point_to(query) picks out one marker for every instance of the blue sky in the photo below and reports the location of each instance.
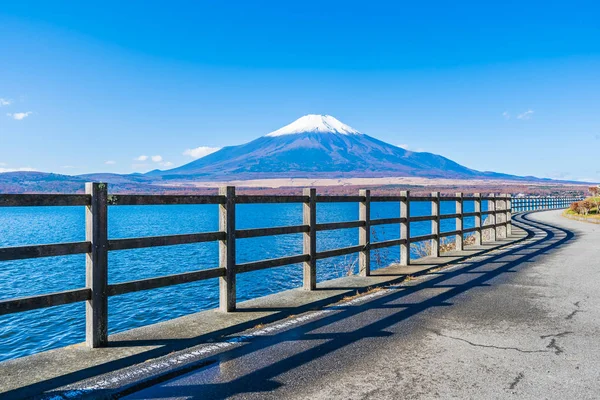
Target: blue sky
(509, 87)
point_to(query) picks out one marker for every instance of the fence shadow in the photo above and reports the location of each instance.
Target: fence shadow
(548, 239)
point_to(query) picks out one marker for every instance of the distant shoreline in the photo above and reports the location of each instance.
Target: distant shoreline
(277, 183)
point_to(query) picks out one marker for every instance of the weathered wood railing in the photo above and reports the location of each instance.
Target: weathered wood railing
(97, 244)
(542, 203)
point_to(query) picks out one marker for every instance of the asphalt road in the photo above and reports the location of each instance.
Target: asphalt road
(522, 322)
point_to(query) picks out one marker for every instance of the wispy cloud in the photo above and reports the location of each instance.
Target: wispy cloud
(110, 162)
(5, 102)
(2, 170)
(403, 146)
(201, 151)
(20, 115)
(158, 159)
(506, 115)
(526, 115)
(68, 166)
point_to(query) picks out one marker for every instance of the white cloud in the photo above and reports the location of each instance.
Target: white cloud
(110, 162)
(3, 164)
(403, 146)
(157, 159)
(20, 116)
(526, 115)
(506, 115)
(201, 151)
(5, 102)
(2, 170)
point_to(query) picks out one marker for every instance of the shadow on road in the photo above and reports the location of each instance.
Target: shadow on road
(397, 303)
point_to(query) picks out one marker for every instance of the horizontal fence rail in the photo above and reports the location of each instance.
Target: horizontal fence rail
(97, 244)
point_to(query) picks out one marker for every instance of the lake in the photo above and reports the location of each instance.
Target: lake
(34, 331)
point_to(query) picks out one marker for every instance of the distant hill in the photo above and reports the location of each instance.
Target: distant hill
(42, 182)
(31, 182)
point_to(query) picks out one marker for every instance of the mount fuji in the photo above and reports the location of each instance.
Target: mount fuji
(319, 146)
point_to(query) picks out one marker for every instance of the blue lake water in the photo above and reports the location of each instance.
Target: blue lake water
(34, 331)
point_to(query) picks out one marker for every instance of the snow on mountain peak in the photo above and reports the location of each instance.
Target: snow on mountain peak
(314, 123)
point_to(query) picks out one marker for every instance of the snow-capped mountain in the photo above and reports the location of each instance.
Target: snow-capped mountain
(315, 124)
(319, 146)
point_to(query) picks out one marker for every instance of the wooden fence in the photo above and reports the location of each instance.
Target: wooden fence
(520, 204)
(97, 245)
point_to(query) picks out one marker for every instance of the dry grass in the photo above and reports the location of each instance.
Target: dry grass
(373, 289)
(593, 214)
(352, 297)
(347, 266)
(358, 294)
(259, 326)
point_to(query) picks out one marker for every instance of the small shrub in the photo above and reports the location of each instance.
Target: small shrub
(574, 207)
(421, 249)
(584, 207)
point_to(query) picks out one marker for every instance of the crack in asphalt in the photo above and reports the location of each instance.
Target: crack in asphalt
(557, 349)
(555, 335)
(517, 380)
(570, 316)
(489, 345)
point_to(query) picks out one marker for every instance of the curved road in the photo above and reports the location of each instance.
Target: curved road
(520, 322)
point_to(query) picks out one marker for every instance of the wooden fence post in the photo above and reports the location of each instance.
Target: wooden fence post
(508, 215)
(227, 297)
(459, 222)
(492, 207)
(405, 228)
(364, 234)
(477, 210)
(309, 217)
(96, 276)
(435, 224)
